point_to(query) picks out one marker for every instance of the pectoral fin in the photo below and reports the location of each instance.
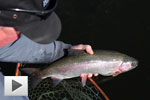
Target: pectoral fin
(34, 74)
(83, 79)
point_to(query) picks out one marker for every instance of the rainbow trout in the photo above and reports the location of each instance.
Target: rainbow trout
(106, 63)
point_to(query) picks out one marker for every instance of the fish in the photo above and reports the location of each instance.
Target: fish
(103, 62)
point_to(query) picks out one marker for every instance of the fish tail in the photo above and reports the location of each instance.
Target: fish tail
(35, 81)
(34, 74)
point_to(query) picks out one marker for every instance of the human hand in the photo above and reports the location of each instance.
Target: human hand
(88, 75)
(89, 50)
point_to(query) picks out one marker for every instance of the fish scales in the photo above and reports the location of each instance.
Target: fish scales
(106, 63)
(84, 63)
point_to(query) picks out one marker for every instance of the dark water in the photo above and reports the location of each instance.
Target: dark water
(121, 25)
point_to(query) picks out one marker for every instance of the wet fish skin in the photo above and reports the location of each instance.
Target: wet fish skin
(104, 62)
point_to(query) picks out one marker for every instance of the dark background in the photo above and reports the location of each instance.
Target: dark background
(120, 25)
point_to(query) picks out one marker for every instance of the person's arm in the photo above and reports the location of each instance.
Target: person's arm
(25, 50)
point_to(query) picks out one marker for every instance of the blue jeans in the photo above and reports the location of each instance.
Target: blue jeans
(2, 97)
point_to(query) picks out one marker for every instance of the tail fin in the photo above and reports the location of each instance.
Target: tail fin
(34, 73)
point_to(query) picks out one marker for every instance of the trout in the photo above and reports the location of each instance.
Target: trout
(103, 62)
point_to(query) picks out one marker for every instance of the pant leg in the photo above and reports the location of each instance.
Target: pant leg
(2, 97)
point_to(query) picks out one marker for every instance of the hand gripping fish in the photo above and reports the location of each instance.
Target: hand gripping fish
(103, 62)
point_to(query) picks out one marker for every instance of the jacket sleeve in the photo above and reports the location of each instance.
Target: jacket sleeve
(25, 50)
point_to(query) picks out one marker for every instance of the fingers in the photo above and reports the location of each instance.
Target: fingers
(96, 74)
(87, 48)
(88, 75)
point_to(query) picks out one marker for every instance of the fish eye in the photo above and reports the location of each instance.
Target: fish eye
(134, 64)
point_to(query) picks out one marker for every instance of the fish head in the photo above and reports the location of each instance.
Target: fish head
(128, 64)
